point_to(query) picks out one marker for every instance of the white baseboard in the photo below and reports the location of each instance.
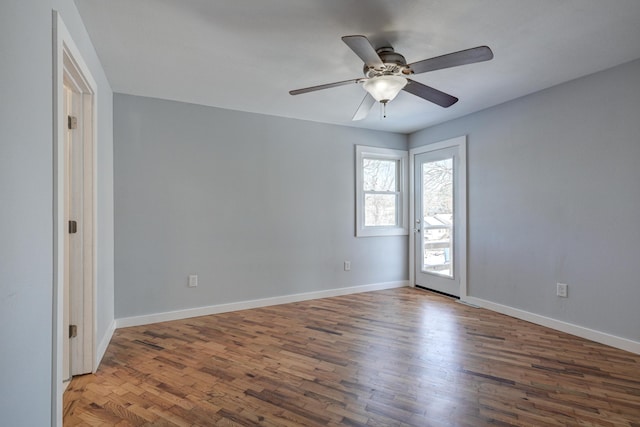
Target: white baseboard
(244, 305)
(104, 343)
(580, 331)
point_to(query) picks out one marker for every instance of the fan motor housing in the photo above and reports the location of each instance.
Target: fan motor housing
(394, 64)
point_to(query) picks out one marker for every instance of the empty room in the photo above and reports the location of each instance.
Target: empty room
(319, 213)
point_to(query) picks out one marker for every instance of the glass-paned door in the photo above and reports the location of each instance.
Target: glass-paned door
(437, 220)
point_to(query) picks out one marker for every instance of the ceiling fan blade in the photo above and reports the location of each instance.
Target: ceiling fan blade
(364, 108)
(363, 48)
(463, 57)
(325, 86)
(430, 94)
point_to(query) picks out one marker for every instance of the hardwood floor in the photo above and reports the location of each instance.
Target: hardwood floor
(387, 358)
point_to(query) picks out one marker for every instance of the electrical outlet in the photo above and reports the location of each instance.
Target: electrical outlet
(562, 290)
(347, 266)
(193, 280)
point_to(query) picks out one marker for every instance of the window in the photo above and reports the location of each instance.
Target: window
(381, 182)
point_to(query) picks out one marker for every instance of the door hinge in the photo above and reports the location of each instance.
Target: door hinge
(73, 331)
(73, 227)
(72, 122)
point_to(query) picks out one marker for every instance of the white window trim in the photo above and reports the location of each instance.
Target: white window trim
(402, 229)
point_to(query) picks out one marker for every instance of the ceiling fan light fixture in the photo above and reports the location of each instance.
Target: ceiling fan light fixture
(384, 88)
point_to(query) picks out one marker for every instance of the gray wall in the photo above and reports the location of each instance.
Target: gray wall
(554, 196)
(26, 210)
(257, 206)
(26, 230)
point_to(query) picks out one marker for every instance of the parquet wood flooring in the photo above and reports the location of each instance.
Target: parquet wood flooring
(401, 357)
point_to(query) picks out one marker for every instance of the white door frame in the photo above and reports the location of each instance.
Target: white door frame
(68, 63)
(460, 143)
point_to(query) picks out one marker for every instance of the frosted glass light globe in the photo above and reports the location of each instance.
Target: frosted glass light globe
(384, 88)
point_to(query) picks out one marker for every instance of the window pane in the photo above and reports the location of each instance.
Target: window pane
(437, 200)
(381, 205)
(380, 210)
(379, 175)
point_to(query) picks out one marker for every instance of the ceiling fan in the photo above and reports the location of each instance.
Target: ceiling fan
(386, 71)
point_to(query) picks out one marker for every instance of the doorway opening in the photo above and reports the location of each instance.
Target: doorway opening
(74, 207)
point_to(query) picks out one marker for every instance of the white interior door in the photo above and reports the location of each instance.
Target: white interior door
(440, 218)
(66, 341)
(79, 243)
(73, 355)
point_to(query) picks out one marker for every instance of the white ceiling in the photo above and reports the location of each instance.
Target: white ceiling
(247, 54)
